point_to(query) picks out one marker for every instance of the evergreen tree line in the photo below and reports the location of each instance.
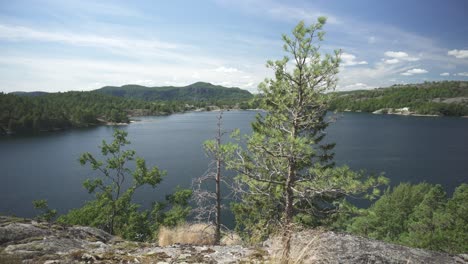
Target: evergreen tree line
(57, 111)
(426, 98)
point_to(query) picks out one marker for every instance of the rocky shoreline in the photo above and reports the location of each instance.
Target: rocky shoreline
(405, 111)
(29, 241)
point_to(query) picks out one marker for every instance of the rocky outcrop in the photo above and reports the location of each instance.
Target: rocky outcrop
(315, 246)
(397, 111)
(28, 241)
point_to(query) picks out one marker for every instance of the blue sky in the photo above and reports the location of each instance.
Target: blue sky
(58, 45)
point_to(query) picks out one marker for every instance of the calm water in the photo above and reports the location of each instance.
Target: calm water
(45, 166)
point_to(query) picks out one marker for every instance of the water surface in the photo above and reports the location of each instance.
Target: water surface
(45, 166)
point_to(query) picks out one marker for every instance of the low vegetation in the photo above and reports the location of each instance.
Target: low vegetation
(113, 208)
(419, 216)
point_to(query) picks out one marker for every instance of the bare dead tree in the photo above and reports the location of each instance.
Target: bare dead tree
(209, 202)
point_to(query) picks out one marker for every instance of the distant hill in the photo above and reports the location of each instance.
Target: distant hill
(199, 91)
(448, 98)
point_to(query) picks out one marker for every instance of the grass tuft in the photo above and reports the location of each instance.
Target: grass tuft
(186, 234)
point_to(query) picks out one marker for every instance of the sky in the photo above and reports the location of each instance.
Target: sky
(63, 45)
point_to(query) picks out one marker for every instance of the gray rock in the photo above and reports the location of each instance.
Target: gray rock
(47, 246)
(14, 232)
(84, 232)
(330, 247)
(50, 243)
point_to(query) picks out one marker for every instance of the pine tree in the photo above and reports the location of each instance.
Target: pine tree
(113, 197)
(287, 167)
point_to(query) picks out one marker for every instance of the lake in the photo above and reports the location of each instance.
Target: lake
(45, 166)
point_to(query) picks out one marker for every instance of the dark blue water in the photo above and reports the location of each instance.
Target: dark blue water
(45, 166)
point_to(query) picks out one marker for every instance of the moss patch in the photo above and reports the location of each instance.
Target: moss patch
(9, 259)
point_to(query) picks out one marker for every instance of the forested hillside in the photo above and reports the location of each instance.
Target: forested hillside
(448, 98)
(56, 111)
(199, 91)
(41, 111)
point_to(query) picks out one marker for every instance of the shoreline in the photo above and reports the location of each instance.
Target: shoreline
(105, 123)
(401, 114)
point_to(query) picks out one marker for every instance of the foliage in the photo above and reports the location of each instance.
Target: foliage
(448, 98)
(113, 209)
(419, 216)
(172, 212)
(199, 91)
(286, 169)
(46, 214)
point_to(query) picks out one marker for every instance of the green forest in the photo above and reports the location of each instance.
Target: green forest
(22, 112)
(420, 215)
(57, 111)
(40, 111)
(445, 98)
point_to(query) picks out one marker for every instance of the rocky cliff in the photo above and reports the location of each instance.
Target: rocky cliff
(28, 241)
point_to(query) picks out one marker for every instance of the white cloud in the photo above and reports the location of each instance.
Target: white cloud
(371, 40)
(445, 74)
(380, 75)
(459, 54)
(51, 74)
(123, 46)
(196, 75)
(465, 74)
(226, 69)
(411, 59)
(225, 83)
(396, 54)
(280, 11)
(355, 86)
(18, 33)
(350, 60)
(414, 71)
(417, 71)
(293, 13)
(248, 85)
(399, 55)
(391, 61)
(140, 82)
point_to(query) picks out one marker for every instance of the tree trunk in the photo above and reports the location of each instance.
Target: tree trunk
(218, 203)
(218, 180)
(288, 210)
(288, 214)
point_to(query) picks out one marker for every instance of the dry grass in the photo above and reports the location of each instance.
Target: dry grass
(186, 234)
(302, 250)
(231, 239)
